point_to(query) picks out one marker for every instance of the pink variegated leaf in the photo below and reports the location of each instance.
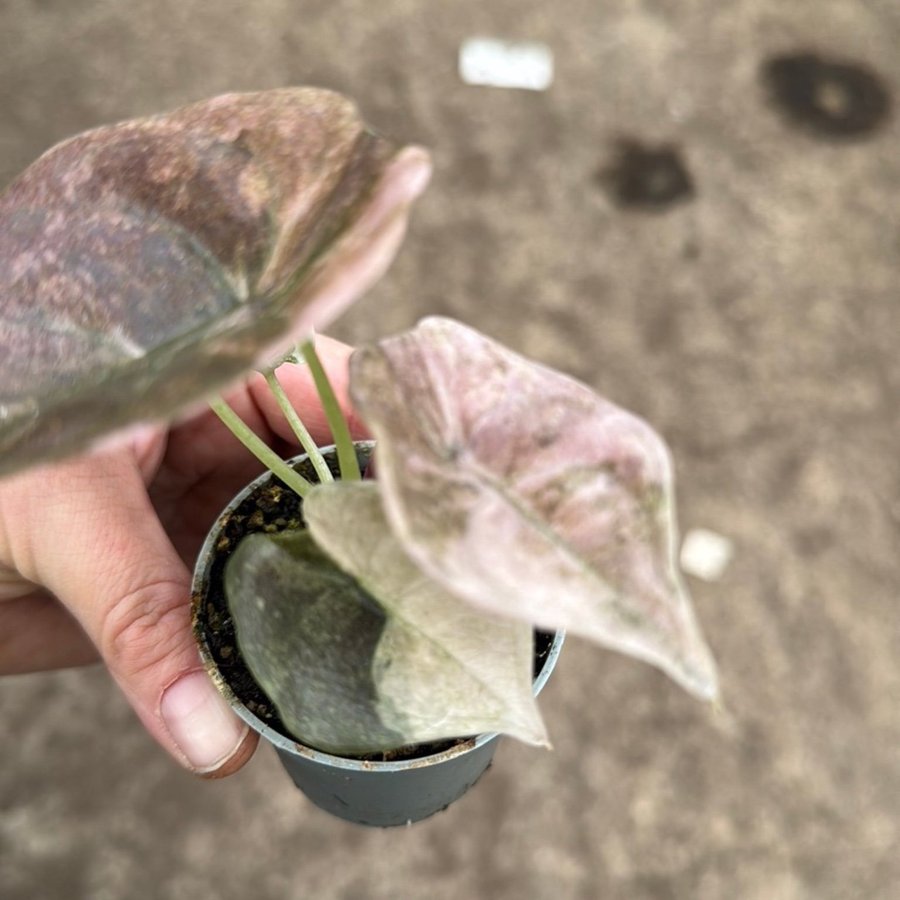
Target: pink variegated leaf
(145, 265)
(522, 491)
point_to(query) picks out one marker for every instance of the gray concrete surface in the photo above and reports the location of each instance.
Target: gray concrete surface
(754, 321)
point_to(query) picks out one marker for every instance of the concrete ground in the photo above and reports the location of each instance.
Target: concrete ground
(709, 238)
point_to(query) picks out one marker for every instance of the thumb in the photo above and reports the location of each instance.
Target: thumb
(86, 531)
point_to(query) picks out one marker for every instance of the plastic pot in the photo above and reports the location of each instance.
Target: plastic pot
(378, 791)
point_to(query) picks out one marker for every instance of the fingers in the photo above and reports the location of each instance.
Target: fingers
(202, 446)
(85, 530)
(38, 634)
(298, 385)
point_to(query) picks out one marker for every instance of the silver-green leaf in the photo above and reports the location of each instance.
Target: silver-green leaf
(521, 490)
(308, 633)
(372, 654)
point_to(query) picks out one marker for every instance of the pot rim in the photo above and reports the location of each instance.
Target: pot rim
(276, 738)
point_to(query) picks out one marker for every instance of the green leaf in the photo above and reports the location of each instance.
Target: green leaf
(522, 491)
(442, 668)
(309, 634)
(145, 265)
(350, 673)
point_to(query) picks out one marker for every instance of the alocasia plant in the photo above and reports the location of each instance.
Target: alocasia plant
(147, 264)
(508, 496)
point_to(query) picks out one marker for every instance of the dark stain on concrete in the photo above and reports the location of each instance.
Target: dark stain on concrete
(647, 178)
(831, 99)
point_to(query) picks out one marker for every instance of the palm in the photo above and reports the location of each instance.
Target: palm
(189, 471)
(202, 467)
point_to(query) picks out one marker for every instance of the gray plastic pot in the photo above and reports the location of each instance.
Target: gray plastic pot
(365, 791)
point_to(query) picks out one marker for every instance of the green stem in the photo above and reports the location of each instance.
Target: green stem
(299, 429)
(268, 457)
(346, 453)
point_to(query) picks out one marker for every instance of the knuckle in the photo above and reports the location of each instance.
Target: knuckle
(146, 627)
(13, 585)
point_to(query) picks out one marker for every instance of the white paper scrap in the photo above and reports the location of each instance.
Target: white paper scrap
(506, 64)
(705, 554)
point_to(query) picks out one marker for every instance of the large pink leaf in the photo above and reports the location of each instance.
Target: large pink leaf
(522, 491)
(146, 264)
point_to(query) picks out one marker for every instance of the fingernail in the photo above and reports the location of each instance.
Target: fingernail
(418, 167)
(200, 722)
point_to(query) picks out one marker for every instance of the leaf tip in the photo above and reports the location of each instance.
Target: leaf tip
(529, 728)
(698, 674)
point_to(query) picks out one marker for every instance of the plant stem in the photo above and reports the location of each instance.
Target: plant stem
(346, 453)
(259, 448)
(299, 429)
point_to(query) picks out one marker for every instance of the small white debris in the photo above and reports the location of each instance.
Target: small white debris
(506, 64)
(705, 554)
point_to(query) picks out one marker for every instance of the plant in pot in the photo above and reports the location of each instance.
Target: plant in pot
(380, 631)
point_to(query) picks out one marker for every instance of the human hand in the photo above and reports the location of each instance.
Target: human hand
(96, 552)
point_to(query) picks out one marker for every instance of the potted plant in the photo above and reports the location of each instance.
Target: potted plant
(389, 787)
(381, 617)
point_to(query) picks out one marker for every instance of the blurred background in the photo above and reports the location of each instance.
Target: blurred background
(699, 217)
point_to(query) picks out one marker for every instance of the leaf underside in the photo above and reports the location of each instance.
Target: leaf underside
(522, 491)
(145, 265)
(372, 655)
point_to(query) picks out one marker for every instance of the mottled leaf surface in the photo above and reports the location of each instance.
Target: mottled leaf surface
(521, 490)
(442, 668)
(350, 673)
(309, 634)
(146, 264)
